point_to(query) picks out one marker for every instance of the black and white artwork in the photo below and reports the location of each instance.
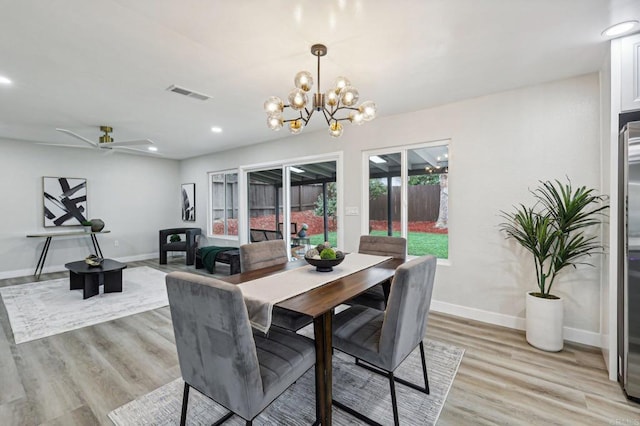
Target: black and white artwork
(189, 202)
(65, 201)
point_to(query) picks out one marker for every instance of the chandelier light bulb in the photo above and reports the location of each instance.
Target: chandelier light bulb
(273, 104)
(296, 126)
(349, 96)
(275, 122)
(356, 117)
(368, 110)
(297, 99)
(335, 129)
(331, 98)
(341, 83)
(303, 80)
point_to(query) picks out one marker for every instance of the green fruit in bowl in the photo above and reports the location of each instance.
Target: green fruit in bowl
(328, 253)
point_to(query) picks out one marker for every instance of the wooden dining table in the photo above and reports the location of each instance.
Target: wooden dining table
(320, 303)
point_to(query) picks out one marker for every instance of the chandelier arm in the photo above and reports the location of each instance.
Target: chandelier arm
(345, 107)
(309, 114)
(329, 118)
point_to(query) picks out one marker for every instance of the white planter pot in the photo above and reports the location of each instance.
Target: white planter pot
(544, 322)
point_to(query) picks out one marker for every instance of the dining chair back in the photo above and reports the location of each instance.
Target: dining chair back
(383, 245)
(262, 254)
(396, 247)
(384, 339)
(269, 253)
(405, 322)
(219, 353)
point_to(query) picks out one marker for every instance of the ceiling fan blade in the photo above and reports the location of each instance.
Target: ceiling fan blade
(131, 143)
(63, 145)
(77, 136)
(142, 151)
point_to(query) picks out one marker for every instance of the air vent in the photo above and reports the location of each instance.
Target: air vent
(186, 92)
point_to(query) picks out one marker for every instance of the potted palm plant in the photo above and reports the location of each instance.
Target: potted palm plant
(555, 230)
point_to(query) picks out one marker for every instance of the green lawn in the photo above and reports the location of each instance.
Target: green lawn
(420, 243)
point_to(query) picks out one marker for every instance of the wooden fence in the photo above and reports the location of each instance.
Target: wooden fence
(262, 198)
(424, 201)
(424, 204)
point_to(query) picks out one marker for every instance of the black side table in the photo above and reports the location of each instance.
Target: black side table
(90, 278)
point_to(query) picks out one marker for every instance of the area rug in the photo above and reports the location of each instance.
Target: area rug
(42, 309)
(359, 388)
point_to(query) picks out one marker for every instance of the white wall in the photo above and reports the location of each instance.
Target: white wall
(134, 195)
(501, 145)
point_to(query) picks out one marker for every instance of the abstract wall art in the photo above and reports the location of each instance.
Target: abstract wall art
(188, 202)
(65, 201)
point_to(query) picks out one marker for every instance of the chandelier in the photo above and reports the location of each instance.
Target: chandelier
(337, 104)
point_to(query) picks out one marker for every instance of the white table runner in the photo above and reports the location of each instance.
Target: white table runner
(261, 294)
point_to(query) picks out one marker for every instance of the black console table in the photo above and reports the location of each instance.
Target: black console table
(49, 236)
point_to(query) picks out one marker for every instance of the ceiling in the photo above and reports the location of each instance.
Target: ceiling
(78, 64)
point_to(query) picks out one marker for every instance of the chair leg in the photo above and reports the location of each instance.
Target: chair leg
(394, 402)
(224, 419)
(376, 370)
(185, 402)
(424, 369)
(354, 413)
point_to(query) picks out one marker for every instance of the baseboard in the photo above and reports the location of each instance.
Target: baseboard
(61, 268)
(575, 335)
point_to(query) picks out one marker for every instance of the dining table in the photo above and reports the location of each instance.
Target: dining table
(320, 303)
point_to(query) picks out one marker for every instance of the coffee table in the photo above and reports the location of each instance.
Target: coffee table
(90, 278)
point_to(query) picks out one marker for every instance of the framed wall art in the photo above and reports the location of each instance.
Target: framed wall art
(65, 201)
(188, 202)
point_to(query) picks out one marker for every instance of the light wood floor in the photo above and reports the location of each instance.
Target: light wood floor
(76, 378)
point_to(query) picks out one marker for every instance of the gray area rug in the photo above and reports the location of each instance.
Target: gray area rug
(42, 309)
(359, 388)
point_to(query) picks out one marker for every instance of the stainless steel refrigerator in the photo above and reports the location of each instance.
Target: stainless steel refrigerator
(629, 262)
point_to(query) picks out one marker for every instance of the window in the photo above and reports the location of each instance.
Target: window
(223, 203)
(409, 196)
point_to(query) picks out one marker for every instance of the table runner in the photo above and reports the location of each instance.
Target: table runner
(261, 294)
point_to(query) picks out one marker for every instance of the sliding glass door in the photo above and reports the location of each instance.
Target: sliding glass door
(297, 201)
(313, 205)
(264, 200)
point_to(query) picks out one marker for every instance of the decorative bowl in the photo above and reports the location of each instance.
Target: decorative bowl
(324, 265)
(93, 261)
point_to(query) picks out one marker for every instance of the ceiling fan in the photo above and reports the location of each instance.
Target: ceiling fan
(106, 142)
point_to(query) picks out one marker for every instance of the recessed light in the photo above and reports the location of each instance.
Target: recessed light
(377, 160)
(618, 29)
(296, 170)
(152, 148)
(216, 129)
(4, 80)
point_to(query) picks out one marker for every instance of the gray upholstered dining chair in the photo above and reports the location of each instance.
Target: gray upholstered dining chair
(220, 355)
(376, 297)
(270, 253)
(385, 339)
(262, 254)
